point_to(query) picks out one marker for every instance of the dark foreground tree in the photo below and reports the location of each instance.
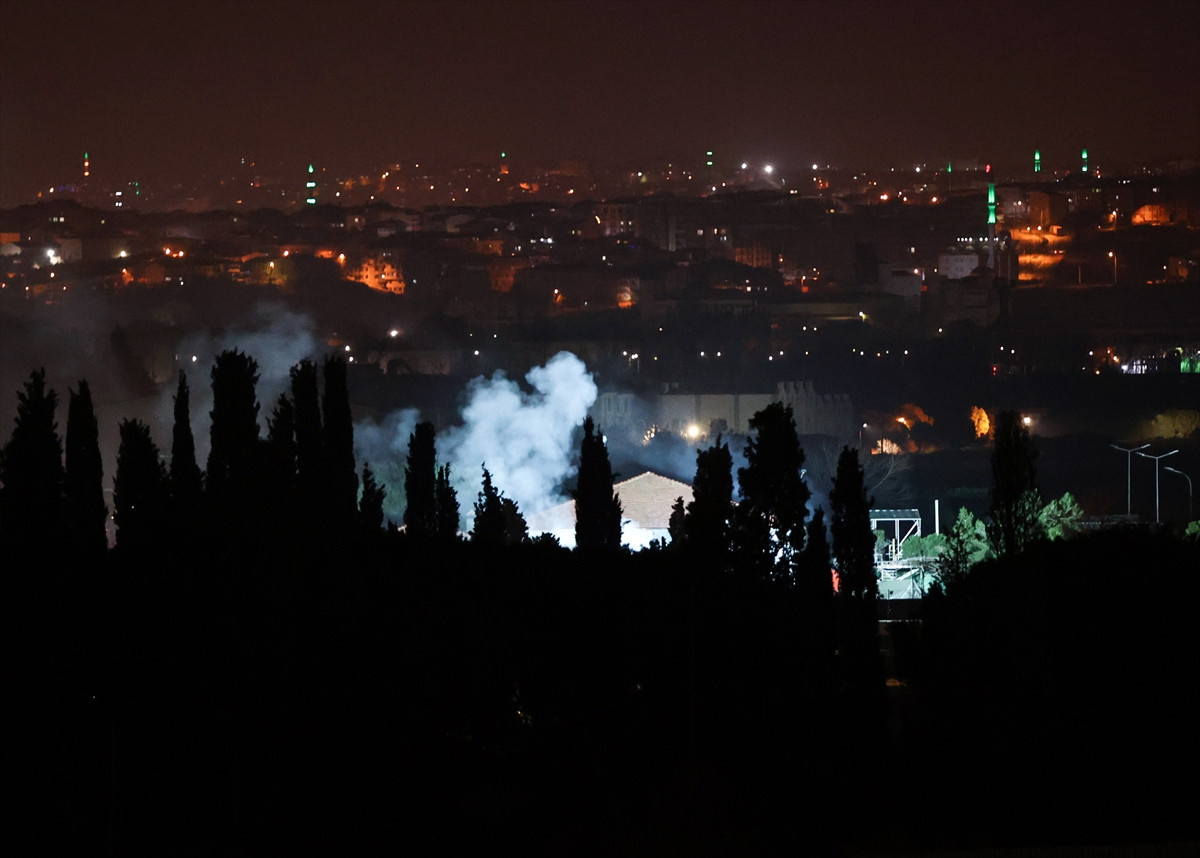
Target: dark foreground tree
(307, 406)
(498, 521)
(341, 479)
(447, 505)
(370, 505)
(32, 471)
(854, 554)
(1016, 500)
(232, 458)
(139, 490)
(709, 515)
(597, 508)
(770, 517)
(420, 483)
(83, 481)
(185, 477)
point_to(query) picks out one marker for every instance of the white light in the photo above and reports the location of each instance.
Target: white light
(814, 166)
(768, 169)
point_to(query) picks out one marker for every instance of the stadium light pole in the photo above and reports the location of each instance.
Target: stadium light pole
(1157, 516)
(1189, 479)
(1128, 481)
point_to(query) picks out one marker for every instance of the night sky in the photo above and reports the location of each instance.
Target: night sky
(157, 90)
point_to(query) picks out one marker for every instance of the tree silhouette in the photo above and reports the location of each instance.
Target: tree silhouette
(83, 481)
(498, 521)
(370, 505)
(279, 467)
(709, 514)
(340, 491)
(677, 523)
(770, 518)
(1015, 499)
(420, 483)
(185, 477)
(853, 539)
(447, 505)
(32, 471)
(307, 406)
(597, 508)
(234, 429)
(140, 490)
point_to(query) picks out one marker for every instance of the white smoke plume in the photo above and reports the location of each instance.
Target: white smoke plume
(524, 437)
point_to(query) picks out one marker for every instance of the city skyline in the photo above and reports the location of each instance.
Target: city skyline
(183, 90)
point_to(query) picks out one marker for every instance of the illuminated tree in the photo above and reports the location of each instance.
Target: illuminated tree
(966, 545)
(597, 508)
(83, 481)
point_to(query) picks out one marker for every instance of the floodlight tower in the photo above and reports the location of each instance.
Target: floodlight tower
(1128, 469)
(1157, 515)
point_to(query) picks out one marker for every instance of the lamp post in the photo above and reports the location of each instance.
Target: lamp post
(1128, 483)
(1157, 516)
(1113, 257)
(864, 426)
(1189, 479)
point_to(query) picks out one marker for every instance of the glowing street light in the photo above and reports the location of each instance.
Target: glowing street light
(1128, 458)
(1157, 515)
(1189, 479)
(1113, 257)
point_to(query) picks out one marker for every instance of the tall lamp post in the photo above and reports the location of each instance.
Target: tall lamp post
(1189, 479)
(1128, 481)
(1157, 517)
(1113, 257)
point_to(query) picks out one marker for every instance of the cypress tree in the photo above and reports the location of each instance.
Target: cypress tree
(370, 505)
(234, 429)
(340, 490)
(489, 526)
(854, 553)
(597, 508)
(447, 505)
(140, 490)
(307, 406)
(83, 481)
(770, 517)
(1015, 499)
(32, 471)
(185, 476)
(709, 514)
(420, 483)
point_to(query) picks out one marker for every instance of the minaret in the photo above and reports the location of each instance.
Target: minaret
(1037, 160)
(1084, 156)
(311, 188)
(991, 219)
(87, 167)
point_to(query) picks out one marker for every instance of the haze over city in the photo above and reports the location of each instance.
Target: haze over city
(178, 91)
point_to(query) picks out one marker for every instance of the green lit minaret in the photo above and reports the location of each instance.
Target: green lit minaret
(1037, 160)
(1085, 164)
(311, 187)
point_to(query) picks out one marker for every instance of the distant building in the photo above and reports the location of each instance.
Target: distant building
(646, 502)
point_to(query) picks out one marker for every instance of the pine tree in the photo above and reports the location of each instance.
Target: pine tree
(496, 522)
(1015, 499)
(340, 491)
(677, 523)
(140, 490)
(420, 483)
(447, 505)
(597, 508)
(185, 477)
(83, 481)
(770, 517)
(32, 471)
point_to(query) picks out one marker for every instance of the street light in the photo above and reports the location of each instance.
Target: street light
(1157, 517)
(1189, 479)
(1128, 459)
(1113, 257)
